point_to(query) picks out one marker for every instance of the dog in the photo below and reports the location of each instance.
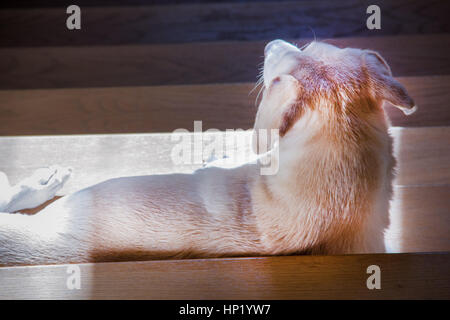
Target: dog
(330, 195)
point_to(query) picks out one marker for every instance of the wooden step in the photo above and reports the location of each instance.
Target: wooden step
(139, 68)
(423, 155)
(419, 219)
(166, 108)
(108, 3)
(198, 63)
(193, 22)
(421, 196)
(403, 276)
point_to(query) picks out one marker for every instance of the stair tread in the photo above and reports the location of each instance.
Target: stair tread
(183, 23)
(404, 276)
(423, 155)
(193, 63)
(166, 108)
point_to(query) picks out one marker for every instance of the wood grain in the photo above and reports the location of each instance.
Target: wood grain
(125, 109)
(26, 4)
(136, 69)
(423, 155)
(166, 108)
(419, 219)
(197, 63)
(403, 276)
(187, 23)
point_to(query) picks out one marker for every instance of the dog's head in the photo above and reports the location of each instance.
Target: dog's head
(333, 86)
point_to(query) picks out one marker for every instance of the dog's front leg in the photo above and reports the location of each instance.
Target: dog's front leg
(32, 191)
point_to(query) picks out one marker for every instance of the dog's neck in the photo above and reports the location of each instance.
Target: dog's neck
(307, 152)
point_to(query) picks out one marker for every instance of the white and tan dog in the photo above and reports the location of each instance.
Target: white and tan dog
(330, 195)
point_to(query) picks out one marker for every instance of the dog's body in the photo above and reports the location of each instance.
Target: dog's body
(330, 195)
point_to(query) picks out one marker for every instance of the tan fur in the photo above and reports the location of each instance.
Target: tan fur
(331, 193)
(331, 188)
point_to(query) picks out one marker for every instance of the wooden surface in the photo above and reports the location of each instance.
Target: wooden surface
(421, 197)
(187, 23)
(166, 108)
(105, 3)
(403, 276)
(419, 219)
(98, 157)
(141, 69)
(193, 63)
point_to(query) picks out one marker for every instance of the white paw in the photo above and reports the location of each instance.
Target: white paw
(50, 179)
(40, 187)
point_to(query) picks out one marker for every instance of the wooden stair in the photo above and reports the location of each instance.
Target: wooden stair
(134, 73)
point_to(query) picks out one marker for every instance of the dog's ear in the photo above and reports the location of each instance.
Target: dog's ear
(277, 112)
(290, 116)
(386, 86)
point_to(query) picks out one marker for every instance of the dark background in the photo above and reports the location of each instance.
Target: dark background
(136, 66)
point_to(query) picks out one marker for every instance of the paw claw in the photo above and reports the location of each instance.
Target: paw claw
(59, 177)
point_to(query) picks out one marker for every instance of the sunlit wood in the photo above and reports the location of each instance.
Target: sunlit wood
(166, 108)
(404, 276)
(421, 200)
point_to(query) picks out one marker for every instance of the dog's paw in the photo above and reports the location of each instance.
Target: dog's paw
(50, 179)
(40, 187)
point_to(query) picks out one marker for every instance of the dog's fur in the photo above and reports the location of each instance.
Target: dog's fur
(331, 194)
